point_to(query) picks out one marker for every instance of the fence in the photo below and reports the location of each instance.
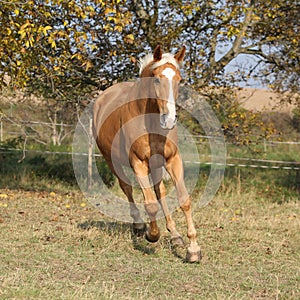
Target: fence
(284, 165)
(10, 128)
(252, 163)
(238, 162)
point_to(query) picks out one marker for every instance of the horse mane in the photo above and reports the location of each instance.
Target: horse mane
(166, 58)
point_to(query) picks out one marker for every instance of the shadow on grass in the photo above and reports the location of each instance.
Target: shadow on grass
(177, 251)
(278, 186)
(35, 172)
(138, 239)
(115, 228)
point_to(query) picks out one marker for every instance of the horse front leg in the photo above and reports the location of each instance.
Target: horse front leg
(141, 171)
(175, 169)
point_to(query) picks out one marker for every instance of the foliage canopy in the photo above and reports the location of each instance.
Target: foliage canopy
(65, 44)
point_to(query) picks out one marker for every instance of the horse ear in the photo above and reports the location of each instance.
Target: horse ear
(157, 54)
(179, 56)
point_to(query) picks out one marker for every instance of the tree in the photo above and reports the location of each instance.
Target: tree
(89, 44)
(52, 47)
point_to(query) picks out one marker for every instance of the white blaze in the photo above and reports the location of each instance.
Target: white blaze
(169, 73)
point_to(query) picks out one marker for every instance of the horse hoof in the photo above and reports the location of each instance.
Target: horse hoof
(139, 229)
(177, 241)
(152, 238)
(193, 257)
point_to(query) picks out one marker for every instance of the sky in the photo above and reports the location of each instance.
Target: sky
(241, 62)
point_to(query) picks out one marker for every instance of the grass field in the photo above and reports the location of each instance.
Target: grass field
(54, 245)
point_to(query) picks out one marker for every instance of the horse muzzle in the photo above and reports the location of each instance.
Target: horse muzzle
(167, 122)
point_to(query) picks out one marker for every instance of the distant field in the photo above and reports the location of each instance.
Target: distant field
(262, 100)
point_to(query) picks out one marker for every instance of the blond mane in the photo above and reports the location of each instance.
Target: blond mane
(166, 58)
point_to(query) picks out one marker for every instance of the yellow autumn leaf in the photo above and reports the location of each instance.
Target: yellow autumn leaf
(46, 28)
(130, 37)
(88, 65)
(22, 33)
(119, 28)
(17, 12)
(3, 196)
(90, 8)
(108, 11)
(52, 42)
(112, 19)
(256, 18)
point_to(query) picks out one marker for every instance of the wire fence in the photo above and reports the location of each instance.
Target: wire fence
(268, 164)
(198, 138)
(241, 162)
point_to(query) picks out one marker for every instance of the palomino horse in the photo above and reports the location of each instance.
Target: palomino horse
(135, 125)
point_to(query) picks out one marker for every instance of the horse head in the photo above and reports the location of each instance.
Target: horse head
(164, 70)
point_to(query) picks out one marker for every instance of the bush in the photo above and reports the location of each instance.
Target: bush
(296, 118)
(105, 173)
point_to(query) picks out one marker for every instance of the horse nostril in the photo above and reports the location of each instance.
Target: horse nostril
(163, 120)
(164, 117)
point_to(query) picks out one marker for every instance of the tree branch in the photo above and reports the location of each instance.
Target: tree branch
(147, 22)
(235, 50)
(213, 47)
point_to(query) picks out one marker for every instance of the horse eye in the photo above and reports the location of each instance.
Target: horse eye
(156, 80)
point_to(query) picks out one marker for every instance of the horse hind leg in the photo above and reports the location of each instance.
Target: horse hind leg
(139, 226)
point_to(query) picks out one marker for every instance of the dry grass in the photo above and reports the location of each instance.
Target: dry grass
(55, 246)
